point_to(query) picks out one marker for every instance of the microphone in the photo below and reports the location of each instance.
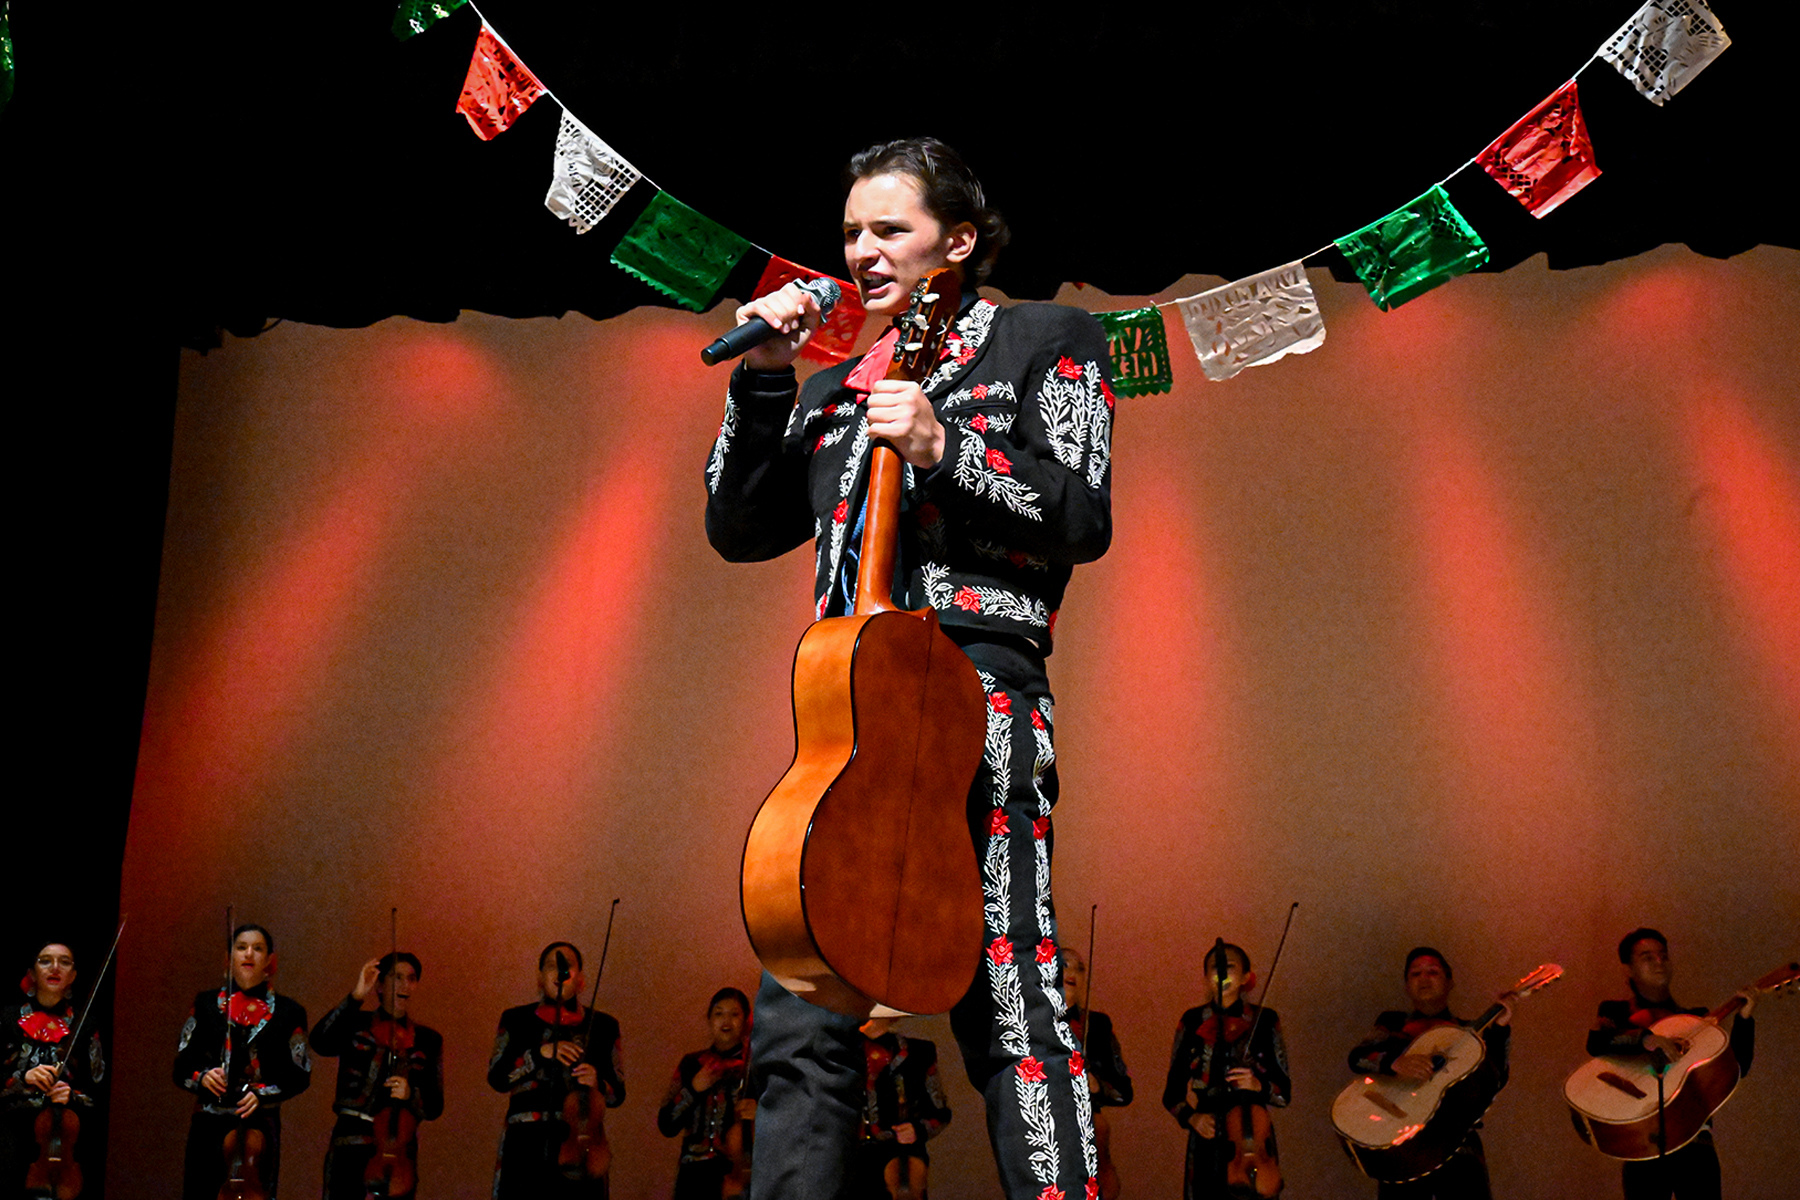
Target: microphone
(756, 331)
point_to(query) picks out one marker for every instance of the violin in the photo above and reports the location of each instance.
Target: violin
(244, 1143)
(393, 1169)
(1254, 1171)
(584, 1153)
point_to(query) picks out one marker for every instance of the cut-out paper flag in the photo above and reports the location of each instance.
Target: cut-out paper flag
(679, 252)
(497, 88)
(843, 324)
(416, 16)
(1413, 249)
(1139, 348)
(1254, 321)
(1546, 156)
(1664, 45)
(588, 178)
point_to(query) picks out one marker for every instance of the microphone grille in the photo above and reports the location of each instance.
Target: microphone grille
(825, 290)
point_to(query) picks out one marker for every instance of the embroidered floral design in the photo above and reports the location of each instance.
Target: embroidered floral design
(1037, 719)
(1030, 1070)
(841, 513)
(999, 462)
(968, 600)
(1046, 951)
(715, 462)
(1000, 952)
(979, 391)
(979, 423)
(1077, 1064)
(1040, 828)
(1068, 368)
(1000, 702)
(1077, 419)
(975, 471)
(971, 334)
(997, 823)
(995, 602)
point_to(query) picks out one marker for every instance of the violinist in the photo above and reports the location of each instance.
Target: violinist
(707, 1098)
(34, 1042)
(1007, 451)
(1108, 1079)
(1428, 982)
(1217, 1065)
(243, 1055)
(903, 1108)
(386, 1061)
(540, 1053)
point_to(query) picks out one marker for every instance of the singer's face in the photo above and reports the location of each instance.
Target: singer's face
(891, 241)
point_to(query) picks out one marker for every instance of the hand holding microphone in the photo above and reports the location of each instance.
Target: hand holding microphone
(800, 307)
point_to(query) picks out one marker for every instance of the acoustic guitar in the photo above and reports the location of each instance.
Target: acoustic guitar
(860, 889)
(1398, 1129)
(1614, 1099)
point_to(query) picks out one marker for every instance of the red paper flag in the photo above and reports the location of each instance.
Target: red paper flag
(1546, 156)
(497, 89)
(837, 337)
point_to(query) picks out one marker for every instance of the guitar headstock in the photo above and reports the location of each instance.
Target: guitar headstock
(1783, 981)
(935, 301)
(1542, 977)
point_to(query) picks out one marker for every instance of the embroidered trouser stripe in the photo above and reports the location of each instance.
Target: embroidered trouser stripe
(1012, 1027)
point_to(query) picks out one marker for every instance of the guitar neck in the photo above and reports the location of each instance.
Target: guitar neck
(881, 530)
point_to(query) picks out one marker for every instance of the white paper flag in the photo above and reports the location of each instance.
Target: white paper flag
(589, 176)
(1664, 45)
(1253, 321)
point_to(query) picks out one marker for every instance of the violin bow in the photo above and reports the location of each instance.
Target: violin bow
(594, 995)
(1273, 964)
(1087, 991)
(93, 995)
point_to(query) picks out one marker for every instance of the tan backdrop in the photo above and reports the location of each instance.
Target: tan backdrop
(1480, 626)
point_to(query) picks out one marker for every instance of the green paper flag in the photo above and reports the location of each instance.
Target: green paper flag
(1413, 249)
(416, 16)
(6, 55)
(1139, 349)
(679, 252)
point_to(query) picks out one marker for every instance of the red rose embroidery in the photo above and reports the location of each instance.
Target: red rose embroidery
(979, 391)
(1040, 828)
(1000, 702)
(997, 823)
(1017, 558)
(928, 514)
(1000, 952)
(1050, 1192)
(951, 345)
(1093, 1189)
(1037, 719)
(979, 423)
(829, 409)
(1068, 368)
(1106, 391)
(1053, 620)
(1032, 1071)
(1077, 1064)
(967, 599)
(1046, 951)
(841, 513)
(964, 352)
(820, 444)
(999, 462)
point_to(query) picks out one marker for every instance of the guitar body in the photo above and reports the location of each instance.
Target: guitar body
(1613, 1100)
(1399, 1129)
(860, 887)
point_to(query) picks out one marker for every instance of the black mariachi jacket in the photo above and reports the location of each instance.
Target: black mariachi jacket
(268, 1055)
(34, 1036)
(1192, 1066)
(990, 534)
(535, 1082)
(702, 1117)
(902, 1088)
(1101, 1055)
(347, 1033)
